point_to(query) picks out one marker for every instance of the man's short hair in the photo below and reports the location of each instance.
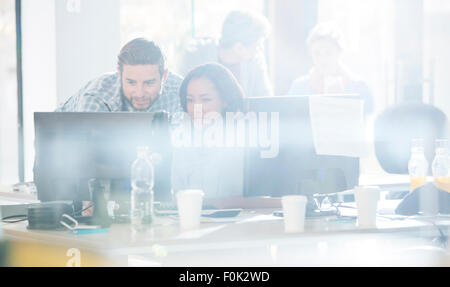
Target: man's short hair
(327, 31)
(243, 27)
(141, 51)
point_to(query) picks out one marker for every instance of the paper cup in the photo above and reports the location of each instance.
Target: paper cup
(294, 208)
(189, 203)
(366, 203)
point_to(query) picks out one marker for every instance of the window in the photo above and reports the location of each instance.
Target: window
(368, 33)
(436, 59)
(168, 23)
(8, 95)
(209, 15)
(172, 23)
(367, 29)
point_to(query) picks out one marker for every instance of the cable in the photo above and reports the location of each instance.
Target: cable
(89, 206)
(7, 218)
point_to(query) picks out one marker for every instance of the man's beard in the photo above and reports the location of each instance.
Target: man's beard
(130, 102)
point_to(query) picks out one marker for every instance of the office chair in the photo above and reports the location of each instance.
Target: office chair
(397, 126)
(394, 129)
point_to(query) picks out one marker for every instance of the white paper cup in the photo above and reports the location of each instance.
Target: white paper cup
(294, 208)
(189, 203)
(366, 203)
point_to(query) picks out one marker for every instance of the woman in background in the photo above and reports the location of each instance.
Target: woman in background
(328, 75)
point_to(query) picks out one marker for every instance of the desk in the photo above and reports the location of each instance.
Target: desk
(254, 238)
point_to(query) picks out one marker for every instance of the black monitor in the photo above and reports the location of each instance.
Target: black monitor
(297, 169)
(73, 147)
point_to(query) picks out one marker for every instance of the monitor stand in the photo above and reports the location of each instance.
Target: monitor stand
(100, 214)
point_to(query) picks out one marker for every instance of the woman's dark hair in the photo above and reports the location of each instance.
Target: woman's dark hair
(225, 83)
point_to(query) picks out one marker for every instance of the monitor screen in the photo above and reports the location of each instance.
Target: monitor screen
(73, 147)
(296, 169)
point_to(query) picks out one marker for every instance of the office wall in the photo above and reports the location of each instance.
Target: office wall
(65, 44)
(87, 42)
(408, 41)
(8, 95)
(292, 20)
(436, 54)
(39, 67)
(368, 33)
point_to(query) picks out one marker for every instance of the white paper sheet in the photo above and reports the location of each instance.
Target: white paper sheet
(338, 126)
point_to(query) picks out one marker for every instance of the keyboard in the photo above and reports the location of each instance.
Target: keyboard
(173, 206)
(169, 208)
(312, 214)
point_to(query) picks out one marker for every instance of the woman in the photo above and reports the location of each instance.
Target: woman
(212, 86)
(328, 75)
(209, 94)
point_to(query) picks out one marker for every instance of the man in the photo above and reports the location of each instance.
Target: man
(329, 75)
(141, 84)
(240, 49)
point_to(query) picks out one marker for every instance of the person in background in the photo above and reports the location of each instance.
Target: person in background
(141, 83)
(328, 74)
(217, 170)
(240, 48)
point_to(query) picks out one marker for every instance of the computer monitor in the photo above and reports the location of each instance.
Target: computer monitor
(297, 169)
(73, 147)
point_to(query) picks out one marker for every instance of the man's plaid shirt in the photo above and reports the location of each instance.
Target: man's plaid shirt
(104, 94)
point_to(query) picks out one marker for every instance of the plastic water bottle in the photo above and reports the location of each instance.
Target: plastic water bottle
(142, 181)
(440, 166)
(417, 165)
